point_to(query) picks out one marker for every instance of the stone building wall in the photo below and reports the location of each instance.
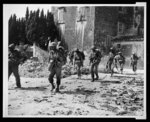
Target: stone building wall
(71, 34)
(105, 25)
(132, 20)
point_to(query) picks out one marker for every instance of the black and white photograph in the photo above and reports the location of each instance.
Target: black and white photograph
(74, 60)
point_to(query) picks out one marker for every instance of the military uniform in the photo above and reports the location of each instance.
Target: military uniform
(134, 60)
(110, 59)
(78, 61)
(95, 58)
(83, 57)
(15, 58)
(71, 56)
(55, 65)
(119, 58)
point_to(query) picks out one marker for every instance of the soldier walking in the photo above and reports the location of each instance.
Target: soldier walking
(119, 58)
(134, 60)
(15, 58)
(55, 65)
(78, 61)
(95, 58)
(110, 59)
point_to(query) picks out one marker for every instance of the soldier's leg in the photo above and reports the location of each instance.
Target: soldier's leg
(51, 80)
(107, 66)
(112, 68)
(92, 72)
(110, 65)
(10, 67)
(16, 74)
(96, 71)
(58, 77)
(121, 67)
(134, 67)
(9, 71)
(79, 70)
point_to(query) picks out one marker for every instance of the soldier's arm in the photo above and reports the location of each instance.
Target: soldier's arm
(90, 58)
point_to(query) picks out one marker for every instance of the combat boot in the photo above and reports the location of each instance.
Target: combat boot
(53, 87)
(97, 77)
(57, 90)
(19, 86)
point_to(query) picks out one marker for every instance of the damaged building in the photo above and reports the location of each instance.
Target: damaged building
(102, 26)
(130, 34)
(84, 26)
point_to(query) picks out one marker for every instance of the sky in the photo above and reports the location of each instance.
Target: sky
(20, 9)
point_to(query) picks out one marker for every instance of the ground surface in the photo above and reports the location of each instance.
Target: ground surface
(120, 95)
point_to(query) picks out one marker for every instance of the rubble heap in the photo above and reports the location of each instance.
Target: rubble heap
(34, 68)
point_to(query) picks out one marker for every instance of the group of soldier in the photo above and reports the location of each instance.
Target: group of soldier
(58, 58)
(116, 57)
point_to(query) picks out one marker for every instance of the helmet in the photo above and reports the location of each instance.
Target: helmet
(52, 44)
(76, 49)
(60, 47)
(119, 52)
(93, 47)
(111, 48)
(11, 46)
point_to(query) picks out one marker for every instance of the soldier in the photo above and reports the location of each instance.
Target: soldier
(78, 61)
(119, 58)
(15, 58)
(63, 53)
(83, 57)
(118, 49)
(55, 65)
(95, 58)
(71, 57)
(110, 59)
(134, 60)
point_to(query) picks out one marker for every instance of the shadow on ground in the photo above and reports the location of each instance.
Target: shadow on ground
(123, 76)
(108, 81)
(42, 88)
(80, 91)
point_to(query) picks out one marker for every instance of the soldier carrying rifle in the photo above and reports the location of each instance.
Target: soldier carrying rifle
(56, 61)
(134, 60)
(16, 57)
(95, 58)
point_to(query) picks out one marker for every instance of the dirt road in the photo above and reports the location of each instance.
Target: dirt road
(120, 95)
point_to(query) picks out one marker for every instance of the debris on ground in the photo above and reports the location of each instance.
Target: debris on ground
(34, 68)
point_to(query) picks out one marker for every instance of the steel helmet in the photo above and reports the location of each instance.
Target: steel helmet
(76, 49)
(119, 52)
(12, 46)
(52, 44)
(93, 47)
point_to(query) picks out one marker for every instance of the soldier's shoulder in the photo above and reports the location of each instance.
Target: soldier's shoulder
(117, 56)
(16, 51)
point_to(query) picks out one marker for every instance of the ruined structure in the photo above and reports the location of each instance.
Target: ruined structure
(102, 26)
(84, 26)
(130, 34)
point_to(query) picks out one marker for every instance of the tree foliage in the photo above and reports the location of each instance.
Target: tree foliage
(35, 27)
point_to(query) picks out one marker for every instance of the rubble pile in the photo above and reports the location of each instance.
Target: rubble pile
(68, 70)
(34, 68)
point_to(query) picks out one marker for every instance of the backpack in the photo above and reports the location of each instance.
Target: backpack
(82, 54)
(63, 54)
(98, 54)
